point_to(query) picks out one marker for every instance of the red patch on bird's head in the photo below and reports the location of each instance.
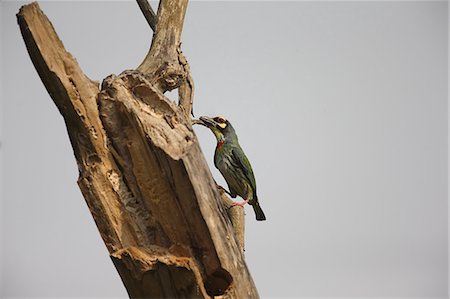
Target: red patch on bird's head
(219, 119)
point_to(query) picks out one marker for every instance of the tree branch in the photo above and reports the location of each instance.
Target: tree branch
(148, 13)
(165, 65)
(142, 172)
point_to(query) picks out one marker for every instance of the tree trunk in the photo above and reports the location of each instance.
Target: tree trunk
(142, 173)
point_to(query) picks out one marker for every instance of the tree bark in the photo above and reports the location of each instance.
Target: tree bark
(142, 172)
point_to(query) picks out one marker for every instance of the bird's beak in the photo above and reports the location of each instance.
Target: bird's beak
(208, 122)
(197, 122)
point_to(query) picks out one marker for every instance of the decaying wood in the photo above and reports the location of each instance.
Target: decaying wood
(165, 64)
(142, 172)
(237, 218)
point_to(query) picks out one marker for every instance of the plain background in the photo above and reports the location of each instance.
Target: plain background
(340, 106)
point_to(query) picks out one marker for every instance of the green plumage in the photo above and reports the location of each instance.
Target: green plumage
(233, 164)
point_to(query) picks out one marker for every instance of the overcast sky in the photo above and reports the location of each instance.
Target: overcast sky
(341, 108)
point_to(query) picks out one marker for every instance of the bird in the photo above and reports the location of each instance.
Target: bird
(233, 164)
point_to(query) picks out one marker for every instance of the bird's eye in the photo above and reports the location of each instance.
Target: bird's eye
(221, 122)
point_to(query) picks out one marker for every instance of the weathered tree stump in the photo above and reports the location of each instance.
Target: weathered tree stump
(142, 172)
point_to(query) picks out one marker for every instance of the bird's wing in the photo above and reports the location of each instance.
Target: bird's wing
(241, 160)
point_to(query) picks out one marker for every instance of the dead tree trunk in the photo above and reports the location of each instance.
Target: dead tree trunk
(142, 172)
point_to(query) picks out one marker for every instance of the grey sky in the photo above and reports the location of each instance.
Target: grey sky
(340, 106)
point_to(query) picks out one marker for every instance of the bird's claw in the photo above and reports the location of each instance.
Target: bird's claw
(241, 204)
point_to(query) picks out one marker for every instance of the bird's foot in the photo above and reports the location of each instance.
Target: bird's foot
(241, 204)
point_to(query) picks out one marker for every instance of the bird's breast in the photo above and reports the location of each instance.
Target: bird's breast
(222, 162)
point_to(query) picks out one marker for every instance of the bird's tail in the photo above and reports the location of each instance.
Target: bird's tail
(258, 212)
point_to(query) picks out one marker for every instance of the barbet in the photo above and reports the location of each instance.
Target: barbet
(230, 160)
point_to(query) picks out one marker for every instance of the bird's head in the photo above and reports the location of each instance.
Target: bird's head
(222, 128)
